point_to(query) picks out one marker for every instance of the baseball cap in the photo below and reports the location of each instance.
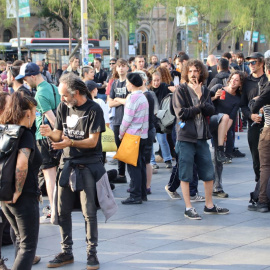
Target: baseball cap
(91, 85)
(255, 55)
(28, 69)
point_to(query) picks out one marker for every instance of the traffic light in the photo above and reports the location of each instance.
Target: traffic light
(241, 46)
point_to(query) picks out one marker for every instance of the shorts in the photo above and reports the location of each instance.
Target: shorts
(214, 122)
(48, 161)
(188, 153)
(149, 145)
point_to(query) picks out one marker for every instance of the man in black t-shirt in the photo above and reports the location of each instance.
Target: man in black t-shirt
(117, 99)
(79, 122)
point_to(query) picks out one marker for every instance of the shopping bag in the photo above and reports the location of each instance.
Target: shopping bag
(128, 150)
(107, 141)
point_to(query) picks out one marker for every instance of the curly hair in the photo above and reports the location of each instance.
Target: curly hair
(242, 77)
(165, 75)
(200, 67)
(3, 101)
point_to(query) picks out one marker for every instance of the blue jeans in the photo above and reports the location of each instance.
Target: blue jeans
(102, 96)
(23, 216)
(165, 148)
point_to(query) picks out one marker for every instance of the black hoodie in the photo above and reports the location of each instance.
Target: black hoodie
(220, 78)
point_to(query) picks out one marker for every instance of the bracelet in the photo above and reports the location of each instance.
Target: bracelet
(72, 142)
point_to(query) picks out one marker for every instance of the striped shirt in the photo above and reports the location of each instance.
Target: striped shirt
(136, 115)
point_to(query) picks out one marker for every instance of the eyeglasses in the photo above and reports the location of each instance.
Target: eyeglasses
(112, 63)
(252, 62)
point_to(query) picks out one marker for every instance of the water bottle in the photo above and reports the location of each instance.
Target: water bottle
(181, 124)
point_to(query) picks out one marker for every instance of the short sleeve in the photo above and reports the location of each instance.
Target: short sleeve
(59, 117)
(112, 92)
(44, 103)
(97, 123)
(27, 140)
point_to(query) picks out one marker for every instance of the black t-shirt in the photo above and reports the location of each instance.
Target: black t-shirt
(31, 181)
(151, 103)
(119, 90)
(101, 77)
(229, 105)
(77, 123)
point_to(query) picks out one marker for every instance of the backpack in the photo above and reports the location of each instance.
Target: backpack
(165, 116)
(9, 142)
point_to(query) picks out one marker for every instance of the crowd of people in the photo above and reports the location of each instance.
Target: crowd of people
(66, 115)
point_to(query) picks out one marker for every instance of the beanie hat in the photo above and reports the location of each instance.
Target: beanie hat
(91, 85)
(135, 79)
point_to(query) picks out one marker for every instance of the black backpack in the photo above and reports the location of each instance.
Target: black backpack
(9, 142)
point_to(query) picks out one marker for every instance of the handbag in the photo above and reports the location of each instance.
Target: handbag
(128, 150)
(108, 141)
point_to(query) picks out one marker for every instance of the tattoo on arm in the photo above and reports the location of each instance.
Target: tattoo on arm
(20, 176)
(26, 152)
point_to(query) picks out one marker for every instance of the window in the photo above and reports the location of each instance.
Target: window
(219, 45)
(237, 45)
(142, 44)
(7, 35)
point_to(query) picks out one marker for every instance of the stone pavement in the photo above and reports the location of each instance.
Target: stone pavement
(156, 235)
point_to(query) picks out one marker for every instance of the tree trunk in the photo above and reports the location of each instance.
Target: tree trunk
(222, 37)
(251, 30)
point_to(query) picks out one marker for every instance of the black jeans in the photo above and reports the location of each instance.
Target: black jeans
(23, 216)
(88, 199)
(2, 226)
(253, 142)
(138, 175)
(121, 165)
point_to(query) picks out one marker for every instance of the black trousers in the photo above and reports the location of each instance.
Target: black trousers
(121, 165)
(23, 216)
(138, 175)
(253, 142)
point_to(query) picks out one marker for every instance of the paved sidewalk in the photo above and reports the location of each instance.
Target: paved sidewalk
(155, 235)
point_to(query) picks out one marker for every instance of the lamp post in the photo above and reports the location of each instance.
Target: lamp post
(84, 27)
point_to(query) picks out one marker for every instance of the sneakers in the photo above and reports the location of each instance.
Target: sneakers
(155, 166)
(113, 162)
(173, 195)
(216, 210)
(220, 194)
(45, 219)
(221, 157)
(120, 180)
(237, 154)
(229, 158)
(259, 207)
(2, 264)
(192, 214)
(61, 259)
(36, 260)
(130, 200)
(168, 164)
(92, 262)
(197, 198)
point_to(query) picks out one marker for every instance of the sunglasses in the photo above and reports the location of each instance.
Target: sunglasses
(252, 63)
(1, 83)
(112, 63)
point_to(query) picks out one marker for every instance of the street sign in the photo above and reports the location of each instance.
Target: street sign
(24, 8)
(37, 34)
(247, 36)
(262, 38)
(255, 36)
(186, 15)
(91, 58)
(131, 38)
